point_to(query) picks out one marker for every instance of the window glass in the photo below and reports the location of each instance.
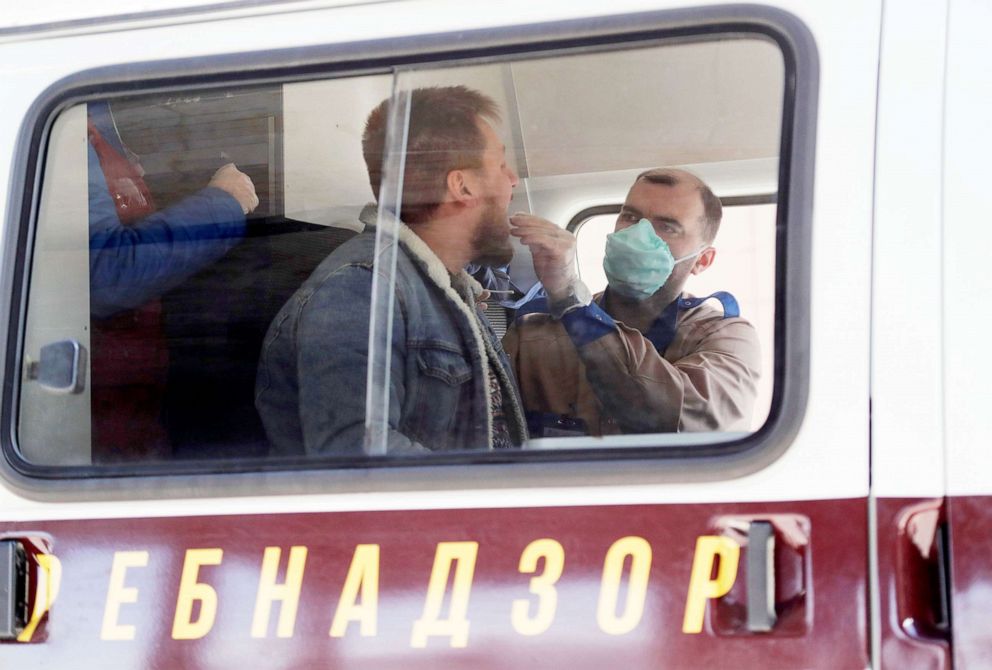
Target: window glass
(350, 267)
(665, 130)
(746, 250)
(173, 229)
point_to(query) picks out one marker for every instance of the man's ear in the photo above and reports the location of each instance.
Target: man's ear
(459, 187)
(704, 260)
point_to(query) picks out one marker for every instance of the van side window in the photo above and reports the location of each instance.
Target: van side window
(383, 265)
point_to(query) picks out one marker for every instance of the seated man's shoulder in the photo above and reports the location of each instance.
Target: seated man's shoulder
(359, 248)
(713, 318)
(710, 319)
(358, 252)
(712, 311)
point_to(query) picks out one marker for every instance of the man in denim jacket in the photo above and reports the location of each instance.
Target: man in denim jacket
(449, 380)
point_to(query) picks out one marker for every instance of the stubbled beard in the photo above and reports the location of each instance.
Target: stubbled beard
(491, 244)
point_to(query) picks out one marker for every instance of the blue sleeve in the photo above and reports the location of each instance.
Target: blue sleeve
(588, 324)
(130, 265)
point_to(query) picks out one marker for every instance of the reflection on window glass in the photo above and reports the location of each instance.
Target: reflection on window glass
(330, 269)
(174, 186)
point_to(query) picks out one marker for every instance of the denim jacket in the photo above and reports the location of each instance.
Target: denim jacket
(311, 384)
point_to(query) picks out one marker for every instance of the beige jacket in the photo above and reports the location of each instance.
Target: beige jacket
(705, 381)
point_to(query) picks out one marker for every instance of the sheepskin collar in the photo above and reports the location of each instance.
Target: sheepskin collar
(462, 283)
(463, 291)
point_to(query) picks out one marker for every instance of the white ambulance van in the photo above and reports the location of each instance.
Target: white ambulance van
(176, 171)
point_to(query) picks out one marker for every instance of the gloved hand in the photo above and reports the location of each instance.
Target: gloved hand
(553, 249)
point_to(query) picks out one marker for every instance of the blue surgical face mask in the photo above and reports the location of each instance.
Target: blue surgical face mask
(638, 262)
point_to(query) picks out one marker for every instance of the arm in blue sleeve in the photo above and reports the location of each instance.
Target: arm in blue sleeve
(588, 324)
(130, 265)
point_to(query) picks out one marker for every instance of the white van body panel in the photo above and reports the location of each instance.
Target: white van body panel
(834, 436)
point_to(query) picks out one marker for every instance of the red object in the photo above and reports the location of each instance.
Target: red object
(125, 180)
(129, 356)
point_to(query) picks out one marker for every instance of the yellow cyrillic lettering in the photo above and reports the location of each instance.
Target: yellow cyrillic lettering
(118, 594)
(701, 586)
(456, 625)
(190, 590)
(363, 576)
(47, 589)
(288, 592)
(543, 586)
(637, 588)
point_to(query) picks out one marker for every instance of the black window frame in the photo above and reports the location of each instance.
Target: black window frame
(720, 460)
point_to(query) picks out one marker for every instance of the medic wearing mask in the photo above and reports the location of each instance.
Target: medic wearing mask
(644, 356)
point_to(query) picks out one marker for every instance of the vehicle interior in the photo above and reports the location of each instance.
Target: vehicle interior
(578, 128)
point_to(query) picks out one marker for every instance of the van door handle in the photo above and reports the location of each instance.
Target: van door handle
(922, 575)
(761, 615)
(30, 575)
(60, 368)
(772, 594)
(13, 589)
